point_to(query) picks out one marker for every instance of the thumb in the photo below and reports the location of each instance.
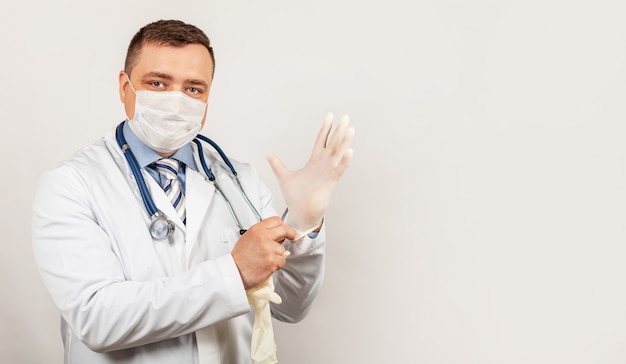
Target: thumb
(277, 165)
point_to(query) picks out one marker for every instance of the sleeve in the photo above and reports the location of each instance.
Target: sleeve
(299, 281)
(86, 279)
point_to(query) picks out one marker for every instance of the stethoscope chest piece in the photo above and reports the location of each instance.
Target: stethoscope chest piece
(160, 227)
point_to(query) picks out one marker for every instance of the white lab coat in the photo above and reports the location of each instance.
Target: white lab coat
(126, 298)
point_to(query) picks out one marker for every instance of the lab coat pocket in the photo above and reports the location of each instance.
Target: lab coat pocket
(229, 239)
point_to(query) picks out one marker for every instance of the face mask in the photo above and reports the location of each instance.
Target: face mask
(166, 120)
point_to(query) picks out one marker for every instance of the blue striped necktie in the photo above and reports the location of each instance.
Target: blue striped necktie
(169, 169)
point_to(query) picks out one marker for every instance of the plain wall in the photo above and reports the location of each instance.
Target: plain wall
(483, 217)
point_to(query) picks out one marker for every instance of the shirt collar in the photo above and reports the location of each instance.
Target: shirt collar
(146, 156)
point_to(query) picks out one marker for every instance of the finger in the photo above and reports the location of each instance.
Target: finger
(280, 250)
(271, 222)
(266, 224)
(339, 134)
(343, 146)
(277, 230)
(280, 262)
(277, 166)
(344, 162)
(282, 232)
(289, 233)
(322, 135)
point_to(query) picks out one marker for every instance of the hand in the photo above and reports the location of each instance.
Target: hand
(307, 191)
(258, 253)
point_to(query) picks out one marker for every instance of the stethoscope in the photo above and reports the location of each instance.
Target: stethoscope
(160, 226)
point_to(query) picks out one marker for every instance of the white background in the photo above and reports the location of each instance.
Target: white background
(483, 217)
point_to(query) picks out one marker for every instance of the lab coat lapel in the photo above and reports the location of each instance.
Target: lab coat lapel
(120, 160)
(159, 197)
(161, 201)
(198, 197)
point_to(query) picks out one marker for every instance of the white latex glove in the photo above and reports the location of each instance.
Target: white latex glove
(263, 347)
(307, 191)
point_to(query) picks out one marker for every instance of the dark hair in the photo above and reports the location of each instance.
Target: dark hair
(165, 32)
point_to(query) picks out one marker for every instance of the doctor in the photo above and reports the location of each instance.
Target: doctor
(128, 297)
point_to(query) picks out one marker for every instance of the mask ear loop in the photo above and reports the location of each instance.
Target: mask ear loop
(134, 91)
(130, 83)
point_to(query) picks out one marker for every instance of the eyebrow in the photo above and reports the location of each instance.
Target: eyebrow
(165, 76)
(196, 83)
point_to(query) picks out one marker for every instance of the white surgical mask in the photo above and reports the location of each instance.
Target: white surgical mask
(166, 120)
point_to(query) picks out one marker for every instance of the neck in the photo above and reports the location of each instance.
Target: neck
(165, 155)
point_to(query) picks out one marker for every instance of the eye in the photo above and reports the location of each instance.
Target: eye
(194, 91)
(157, 84)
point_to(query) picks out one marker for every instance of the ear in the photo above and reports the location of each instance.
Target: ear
(123, 83)
(127, 95)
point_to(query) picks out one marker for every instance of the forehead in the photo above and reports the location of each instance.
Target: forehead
(189, 61)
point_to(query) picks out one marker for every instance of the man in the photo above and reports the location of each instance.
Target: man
(130, 291)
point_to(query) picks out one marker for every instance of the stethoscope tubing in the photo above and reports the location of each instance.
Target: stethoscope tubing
(211, 178)
(157, 217)
(134, 166)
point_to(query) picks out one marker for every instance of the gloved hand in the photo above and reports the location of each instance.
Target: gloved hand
(307, 191)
